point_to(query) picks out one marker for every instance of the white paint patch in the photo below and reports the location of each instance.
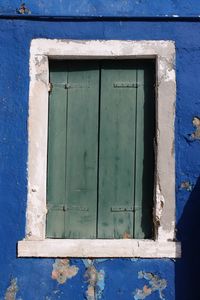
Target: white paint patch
(160, 201)
(164, 235)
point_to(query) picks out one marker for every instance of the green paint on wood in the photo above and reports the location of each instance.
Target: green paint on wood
(144, 155)
(117, 149)
(72, 150)
(56, 153)
(82, 143)
(100, 149)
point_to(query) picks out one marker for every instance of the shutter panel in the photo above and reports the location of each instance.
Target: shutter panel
(72, 154)
(144, 177)
(56, 152)
(117, 150)
(82, 148)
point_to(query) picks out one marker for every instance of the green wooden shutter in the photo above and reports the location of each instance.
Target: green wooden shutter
(57, 135)
(82, 143)
(72, 154)
(101, 169)
(144, 154)
(117, 150)
(126, 150)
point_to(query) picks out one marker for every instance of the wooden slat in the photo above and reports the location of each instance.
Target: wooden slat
(117, 146)
(56, 151)
(82, 143)
(144, 175)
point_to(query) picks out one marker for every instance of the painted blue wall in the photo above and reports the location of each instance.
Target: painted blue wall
(31, 279)
(105, 7)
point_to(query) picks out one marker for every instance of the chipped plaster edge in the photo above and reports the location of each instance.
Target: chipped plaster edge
(164, 207)
(43, 49)
(37, 147)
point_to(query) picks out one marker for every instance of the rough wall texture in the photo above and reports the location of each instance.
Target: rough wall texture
(104, 8)
(47, 279)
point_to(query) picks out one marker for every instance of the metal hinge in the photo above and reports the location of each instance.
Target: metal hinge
(61, 207)
(121, 209)
(125, 85)
(66, 86)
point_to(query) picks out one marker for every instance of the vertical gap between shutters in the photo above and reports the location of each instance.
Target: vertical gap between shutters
(65, 204)
(135, 159)
(98, 152)
(47, 169)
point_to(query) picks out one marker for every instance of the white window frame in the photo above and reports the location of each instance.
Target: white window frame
(35, 243)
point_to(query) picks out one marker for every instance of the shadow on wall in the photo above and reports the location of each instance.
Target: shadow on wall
(188, 267)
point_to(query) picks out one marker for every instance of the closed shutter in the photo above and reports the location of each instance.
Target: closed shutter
(100, 149)
(117, 150)
(72, 150)
(144, 153)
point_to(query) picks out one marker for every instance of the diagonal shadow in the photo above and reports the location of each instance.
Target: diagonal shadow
(187, 277)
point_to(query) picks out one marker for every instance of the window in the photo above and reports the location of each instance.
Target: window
(81, 63)
(100, 149)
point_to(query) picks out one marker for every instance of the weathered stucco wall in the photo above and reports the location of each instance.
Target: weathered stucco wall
(49, 279)
(105, 8)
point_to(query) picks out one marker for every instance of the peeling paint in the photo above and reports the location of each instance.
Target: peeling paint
(100, 260)
(12, 290)
(95, 281)
(159, 204)
(91, 275)
(196, 134)
(100, 284)
(22, 10)
(126, 235)
(186, 185)
(62, 271)
(156, 284)
(134, 259)
(87, 262)
(196, 123)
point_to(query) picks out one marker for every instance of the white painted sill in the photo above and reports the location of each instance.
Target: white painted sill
(99, 248)
(35, 244)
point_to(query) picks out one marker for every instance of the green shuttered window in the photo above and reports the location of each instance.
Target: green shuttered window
(100, 175)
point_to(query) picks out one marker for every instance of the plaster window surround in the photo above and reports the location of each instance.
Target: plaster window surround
(35, 243)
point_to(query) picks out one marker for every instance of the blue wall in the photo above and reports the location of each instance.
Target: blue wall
(32, 279)
(105, 7)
